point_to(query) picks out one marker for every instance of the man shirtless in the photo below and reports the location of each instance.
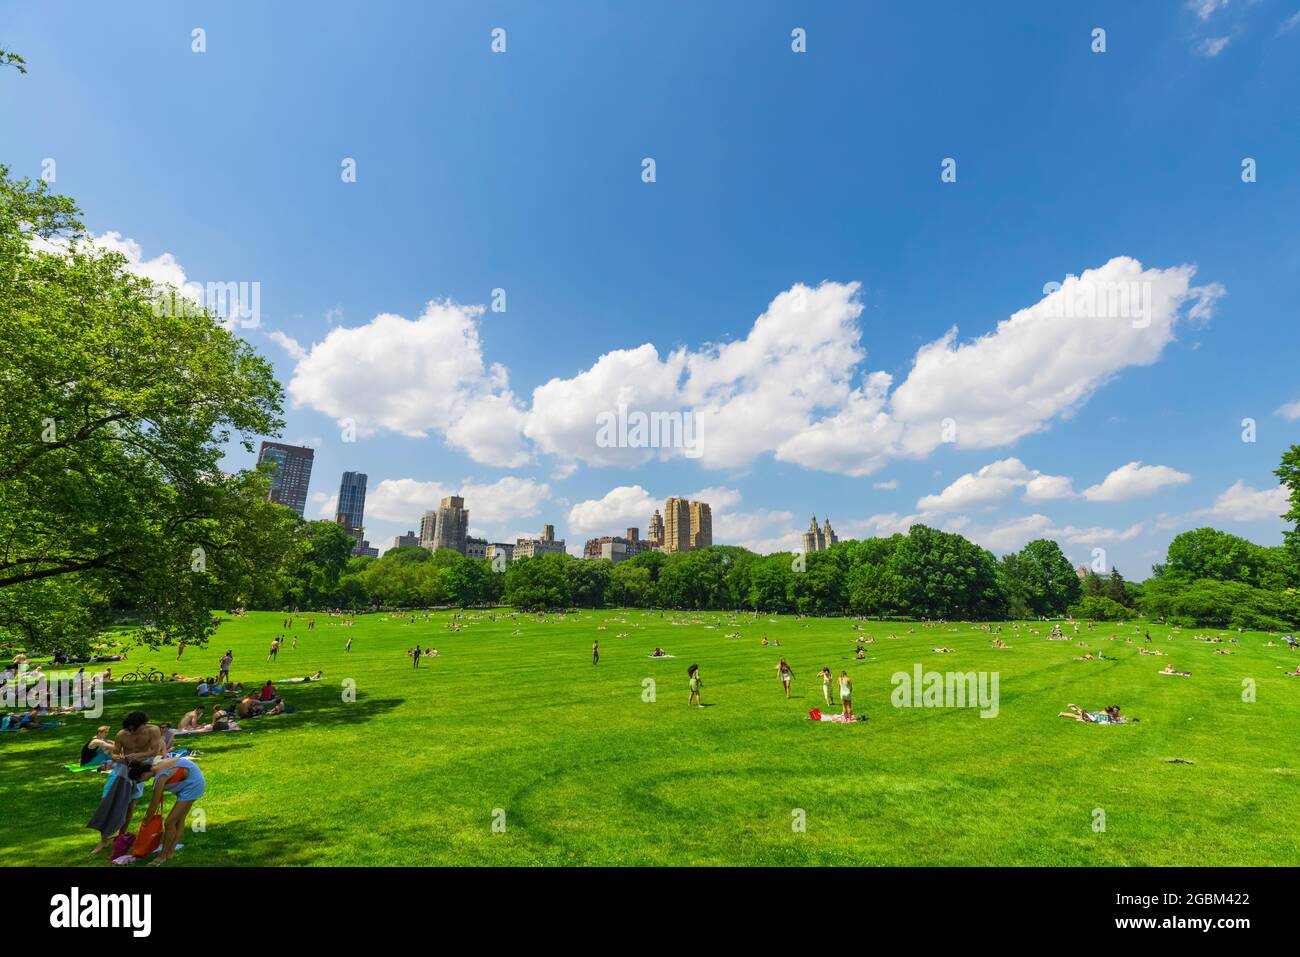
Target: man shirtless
(137, 741)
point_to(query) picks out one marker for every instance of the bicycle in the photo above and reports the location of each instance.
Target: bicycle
(141, 673)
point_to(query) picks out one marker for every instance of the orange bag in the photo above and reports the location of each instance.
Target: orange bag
(149, 836)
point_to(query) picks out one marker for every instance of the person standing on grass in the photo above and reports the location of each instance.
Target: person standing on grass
(416, 656)
(275, 649)
(786, 675)
(180, 649)
(348, 646)
(295, 642)
(827, 681)
(223, 673)
(595, 652)
(693, 672)
(846, 696)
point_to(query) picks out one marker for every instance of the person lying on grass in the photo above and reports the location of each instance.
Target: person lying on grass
(1169, 670)
(1109, 715)
(183, 779)
(942, 651)
(297, 681)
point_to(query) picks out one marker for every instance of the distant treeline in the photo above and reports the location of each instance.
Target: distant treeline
(1209, 578)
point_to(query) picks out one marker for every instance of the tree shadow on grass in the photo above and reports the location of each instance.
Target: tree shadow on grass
(27, 770)
(250, 842)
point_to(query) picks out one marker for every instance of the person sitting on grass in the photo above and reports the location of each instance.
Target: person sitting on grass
(861, 653)
(268, 692)
(659, 653)
(1169, 670)
(191, 720)
(98, 749)
(999, 643)
(183, 779)
(249, 708)
(204, 688)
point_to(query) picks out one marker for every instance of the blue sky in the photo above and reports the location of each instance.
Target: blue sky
(801, 187)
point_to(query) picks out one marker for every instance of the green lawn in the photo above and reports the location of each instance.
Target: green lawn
(587, 772)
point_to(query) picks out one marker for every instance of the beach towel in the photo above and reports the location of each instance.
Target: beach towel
(111, 813)
(816, 715)
(661, 656)
(82, 767)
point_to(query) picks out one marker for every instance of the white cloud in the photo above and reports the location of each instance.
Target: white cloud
(1289, 24)
(1047, 488)
(1048, 359)
(1213, 46)
(1205, 8)
(1134, 480)
(1290, 411)
(793, 387)
(1241, 503)
(288, 344)
(621, 507)
(886, 486)
(993, 483)
(414, 377)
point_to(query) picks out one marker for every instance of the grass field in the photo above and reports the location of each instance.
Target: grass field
(587, 772)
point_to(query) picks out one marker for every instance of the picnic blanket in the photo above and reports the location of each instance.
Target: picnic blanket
(661, 656)
(816, 715)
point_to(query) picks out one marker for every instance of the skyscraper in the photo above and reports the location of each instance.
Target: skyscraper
(677, 525)
(656, 531)
(701, 525)
(453, 525)
(292, 473)
(351, 510)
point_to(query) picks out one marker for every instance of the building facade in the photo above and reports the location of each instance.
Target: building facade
(819, 539)
(409, 540)
(447, 527)
(655, 535)
(351, 509)
(476, 547)
(547, 543)
(292, 475)
(686, 525)
(701, 525)
(615, 548)
(507, 552)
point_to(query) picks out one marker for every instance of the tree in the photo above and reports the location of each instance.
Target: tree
(1288, 474)
(114, 416)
